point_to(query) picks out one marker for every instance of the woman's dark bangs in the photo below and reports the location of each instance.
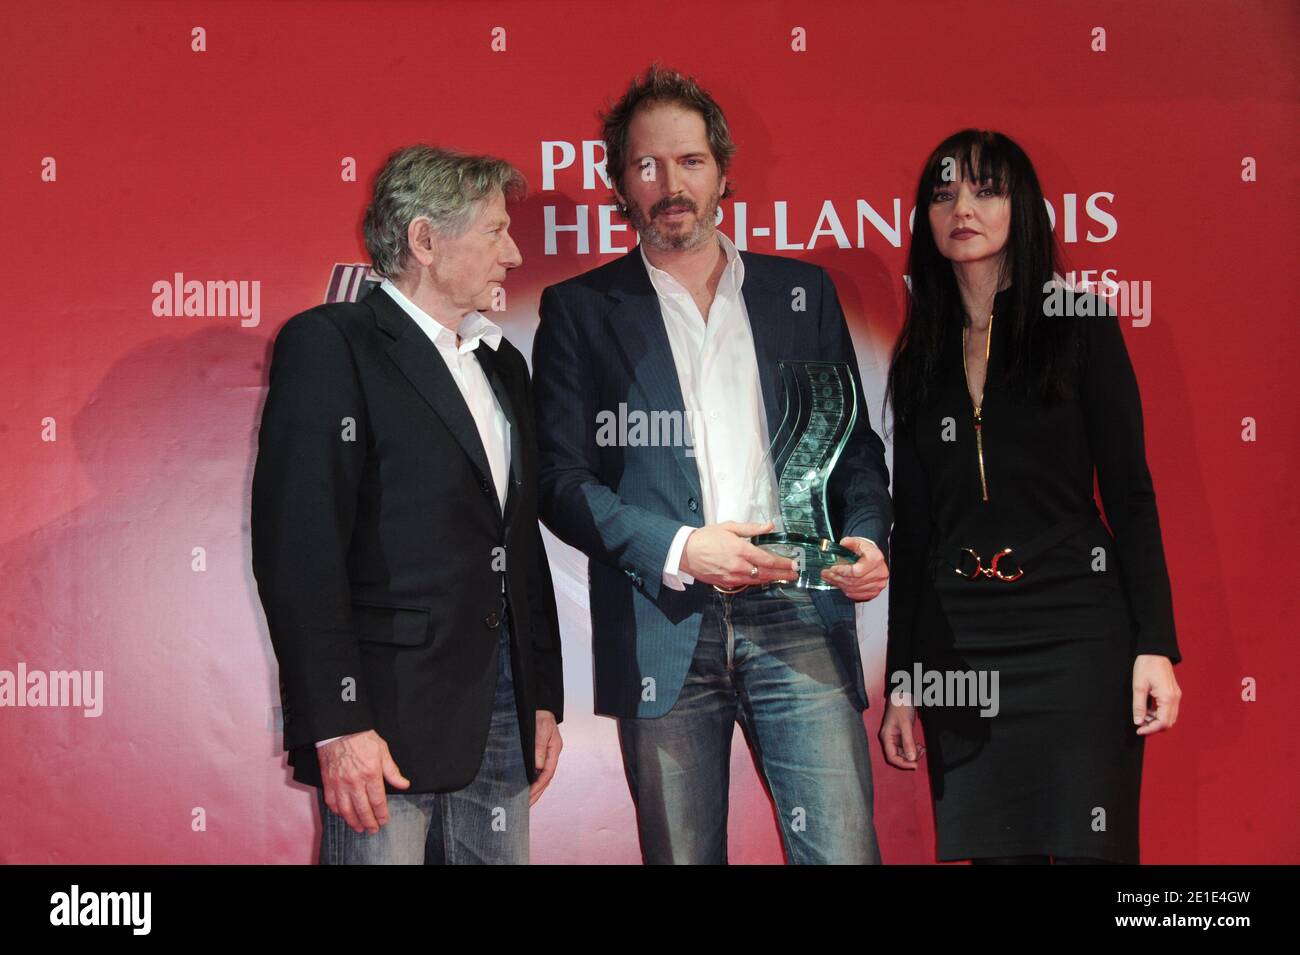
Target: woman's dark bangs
(987, 160)
(979, 157)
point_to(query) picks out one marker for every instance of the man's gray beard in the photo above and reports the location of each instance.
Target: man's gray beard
(650, 233)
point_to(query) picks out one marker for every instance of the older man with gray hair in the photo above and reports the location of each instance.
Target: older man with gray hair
(395, 537)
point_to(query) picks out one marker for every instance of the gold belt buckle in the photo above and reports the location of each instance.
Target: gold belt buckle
(990, 571)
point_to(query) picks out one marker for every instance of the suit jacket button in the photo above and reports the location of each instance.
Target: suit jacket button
(483, 486)
(491, 620)
(693, 504)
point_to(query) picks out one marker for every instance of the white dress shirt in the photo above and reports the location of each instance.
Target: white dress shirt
(493, 426)
(717, 369)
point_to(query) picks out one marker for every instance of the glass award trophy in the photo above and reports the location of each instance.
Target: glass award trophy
(820, 407)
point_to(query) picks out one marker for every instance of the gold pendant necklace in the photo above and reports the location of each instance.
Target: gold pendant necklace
(978, 406)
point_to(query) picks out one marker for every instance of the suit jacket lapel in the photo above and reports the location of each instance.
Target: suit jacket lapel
(492, 368)
(768, 306)
(424, 368)
(639, 332)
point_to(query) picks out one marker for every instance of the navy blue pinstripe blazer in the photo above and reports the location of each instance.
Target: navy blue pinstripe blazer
(602, 343)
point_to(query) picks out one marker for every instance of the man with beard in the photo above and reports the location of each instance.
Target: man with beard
(686, 636)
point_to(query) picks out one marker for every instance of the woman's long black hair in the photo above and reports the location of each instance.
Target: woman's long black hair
(1042, 351)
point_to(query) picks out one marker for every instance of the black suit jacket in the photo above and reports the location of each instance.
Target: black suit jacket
(380, 546)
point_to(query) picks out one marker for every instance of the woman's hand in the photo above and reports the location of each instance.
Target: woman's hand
(1153, 677)
(896, 733)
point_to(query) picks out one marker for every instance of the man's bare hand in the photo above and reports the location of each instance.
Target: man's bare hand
(546, 755)
(863, 579)
(722, 555)
(352, 771)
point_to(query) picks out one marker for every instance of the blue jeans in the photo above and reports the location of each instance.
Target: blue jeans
(484, 823)
(764, 658)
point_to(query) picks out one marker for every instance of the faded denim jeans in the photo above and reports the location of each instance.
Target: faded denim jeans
(765, 659)
(484, 823)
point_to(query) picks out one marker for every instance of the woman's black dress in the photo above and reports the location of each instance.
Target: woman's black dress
(1057, 770)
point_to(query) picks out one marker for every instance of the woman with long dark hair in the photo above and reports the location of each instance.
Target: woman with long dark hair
(1036, 643)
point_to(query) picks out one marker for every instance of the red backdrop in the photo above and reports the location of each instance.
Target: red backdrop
(131, 155)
